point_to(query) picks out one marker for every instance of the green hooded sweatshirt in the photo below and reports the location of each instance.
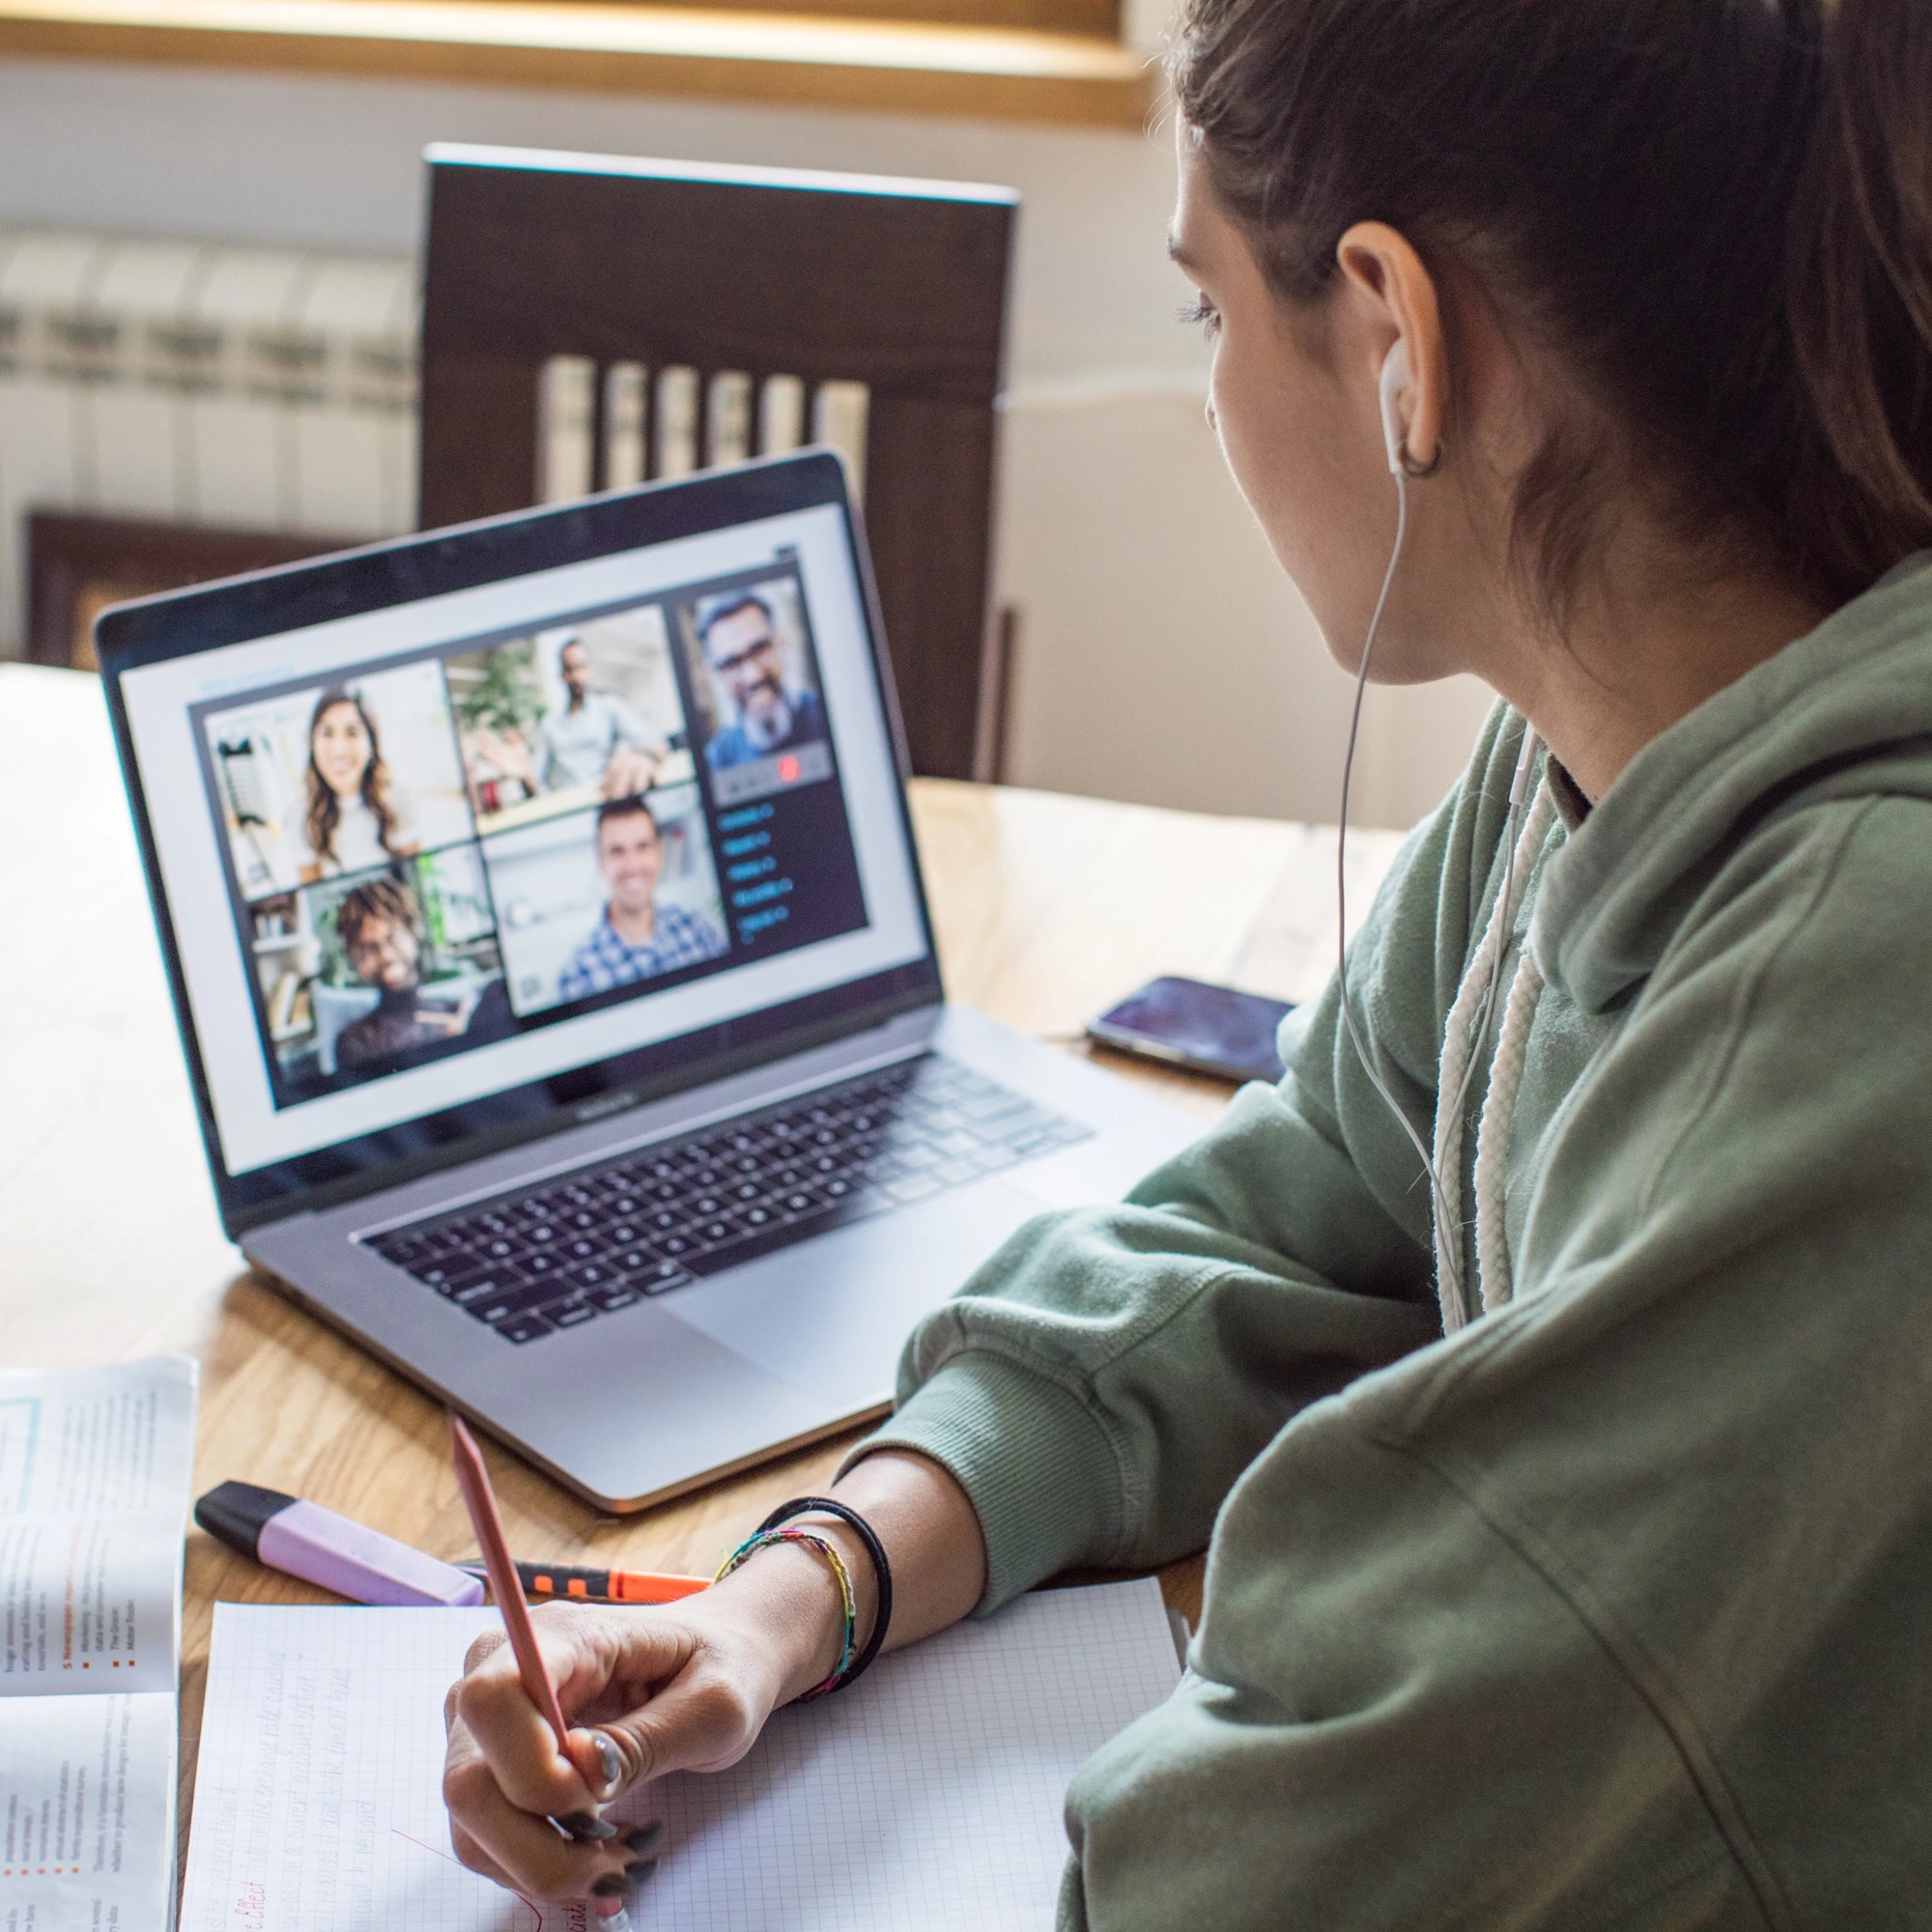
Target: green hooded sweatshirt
(1613, 1607)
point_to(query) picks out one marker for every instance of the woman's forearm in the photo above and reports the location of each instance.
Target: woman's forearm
(932, 1540)
(933, 1537)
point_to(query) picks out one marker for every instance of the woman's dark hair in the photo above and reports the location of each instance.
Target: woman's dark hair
(1717, 212)
(325, 809)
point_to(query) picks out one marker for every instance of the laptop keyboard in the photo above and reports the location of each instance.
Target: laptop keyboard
(602, 1239)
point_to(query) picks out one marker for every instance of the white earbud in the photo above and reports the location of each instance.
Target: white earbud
(1395, 379)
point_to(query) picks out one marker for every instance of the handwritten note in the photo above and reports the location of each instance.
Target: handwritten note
(925, 1799)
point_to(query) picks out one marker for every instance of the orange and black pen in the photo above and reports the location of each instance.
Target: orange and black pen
(545, 1581)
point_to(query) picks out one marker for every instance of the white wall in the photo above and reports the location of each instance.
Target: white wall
(1161, 656)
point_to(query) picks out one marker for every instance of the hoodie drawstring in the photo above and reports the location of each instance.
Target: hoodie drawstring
(1493, 1254)
(1459, 1043)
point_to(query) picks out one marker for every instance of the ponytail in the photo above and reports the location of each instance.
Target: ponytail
(1859, 297)
(1717, 211)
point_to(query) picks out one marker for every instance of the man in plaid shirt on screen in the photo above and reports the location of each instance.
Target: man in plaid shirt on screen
(636, 938)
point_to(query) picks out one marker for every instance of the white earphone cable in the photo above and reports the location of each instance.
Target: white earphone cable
(1448, 1235)
(1436, 1206)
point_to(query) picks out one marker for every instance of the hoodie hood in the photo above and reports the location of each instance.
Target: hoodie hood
(1844, 711)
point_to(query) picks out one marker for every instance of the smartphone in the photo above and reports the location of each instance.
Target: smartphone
(1189, 1023)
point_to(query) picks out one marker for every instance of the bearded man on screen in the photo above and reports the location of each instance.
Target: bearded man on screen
(741, 650)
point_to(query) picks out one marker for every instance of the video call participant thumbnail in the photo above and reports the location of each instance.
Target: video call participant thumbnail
(380, 925)
(739, 637)
(597, 738)
(356, 816)
(636, 938)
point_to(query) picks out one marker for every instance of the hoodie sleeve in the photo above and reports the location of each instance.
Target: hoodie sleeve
(1610, 1612)
(1099, 1384)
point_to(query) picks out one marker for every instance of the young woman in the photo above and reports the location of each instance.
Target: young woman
(1570, 1567)
(357, 816)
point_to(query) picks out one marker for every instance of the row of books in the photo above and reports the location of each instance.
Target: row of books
(673, 421)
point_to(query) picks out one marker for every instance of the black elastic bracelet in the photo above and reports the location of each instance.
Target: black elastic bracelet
(882, 1570)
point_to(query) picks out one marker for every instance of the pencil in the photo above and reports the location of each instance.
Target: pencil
(472, 1478)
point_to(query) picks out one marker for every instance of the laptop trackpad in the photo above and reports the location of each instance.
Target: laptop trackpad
(830, 1315)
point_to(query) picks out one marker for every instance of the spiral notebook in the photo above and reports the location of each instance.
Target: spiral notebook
(926, 1798)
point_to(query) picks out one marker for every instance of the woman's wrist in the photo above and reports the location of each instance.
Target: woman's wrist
(789, 1596)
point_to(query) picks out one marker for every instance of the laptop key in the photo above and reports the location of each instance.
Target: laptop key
(524, 1328)
(517, 1298)
(571, 1313)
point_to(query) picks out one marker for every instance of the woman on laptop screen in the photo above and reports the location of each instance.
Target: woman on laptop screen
(357, 816)
(1543, 1361)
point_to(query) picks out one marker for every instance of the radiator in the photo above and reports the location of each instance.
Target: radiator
(199, 383)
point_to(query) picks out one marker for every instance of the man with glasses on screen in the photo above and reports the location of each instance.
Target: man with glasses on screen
(636, 938)
(741, 648)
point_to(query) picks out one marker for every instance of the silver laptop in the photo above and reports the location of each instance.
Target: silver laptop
(554, 971)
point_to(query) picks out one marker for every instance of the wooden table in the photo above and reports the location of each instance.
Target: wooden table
(1047, 908)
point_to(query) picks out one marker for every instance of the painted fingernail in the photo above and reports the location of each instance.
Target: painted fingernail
(639, 1870)
(640, 1841)
(610, 1886)
(608, 1760)
(586, 1830)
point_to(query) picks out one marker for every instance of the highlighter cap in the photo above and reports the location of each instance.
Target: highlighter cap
(236, 1513)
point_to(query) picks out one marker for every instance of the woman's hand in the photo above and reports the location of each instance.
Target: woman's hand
(686, 1687)
(648, 1690)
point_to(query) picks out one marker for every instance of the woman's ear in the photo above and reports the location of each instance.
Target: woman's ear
(1399, 304)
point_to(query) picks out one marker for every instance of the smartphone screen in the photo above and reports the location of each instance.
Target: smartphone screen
(1189, 1023)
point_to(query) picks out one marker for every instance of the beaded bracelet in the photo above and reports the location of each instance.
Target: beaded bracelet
(882, 1570)
(760, 1540)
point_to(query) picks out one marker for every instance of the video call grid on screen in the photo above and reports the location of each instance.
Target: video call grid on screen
(790, 847)
(482, 839)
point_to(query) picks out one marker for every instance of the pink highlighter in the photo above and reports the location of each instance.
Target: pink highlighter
(319, 1547)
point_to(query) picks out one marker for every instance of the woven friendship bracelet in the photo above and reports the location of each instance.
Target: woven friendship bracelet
(769, 1534)
(882, 1572)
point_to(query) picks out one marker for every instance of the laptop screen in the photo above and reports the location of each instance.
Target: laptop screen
(430, 858)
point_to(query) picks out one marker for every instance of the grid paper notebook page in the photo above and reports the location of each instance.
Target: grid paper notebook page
(926, 1798)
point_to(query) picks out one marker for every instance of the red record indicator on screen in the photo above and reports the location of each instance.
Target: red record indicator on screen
(788, 768)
